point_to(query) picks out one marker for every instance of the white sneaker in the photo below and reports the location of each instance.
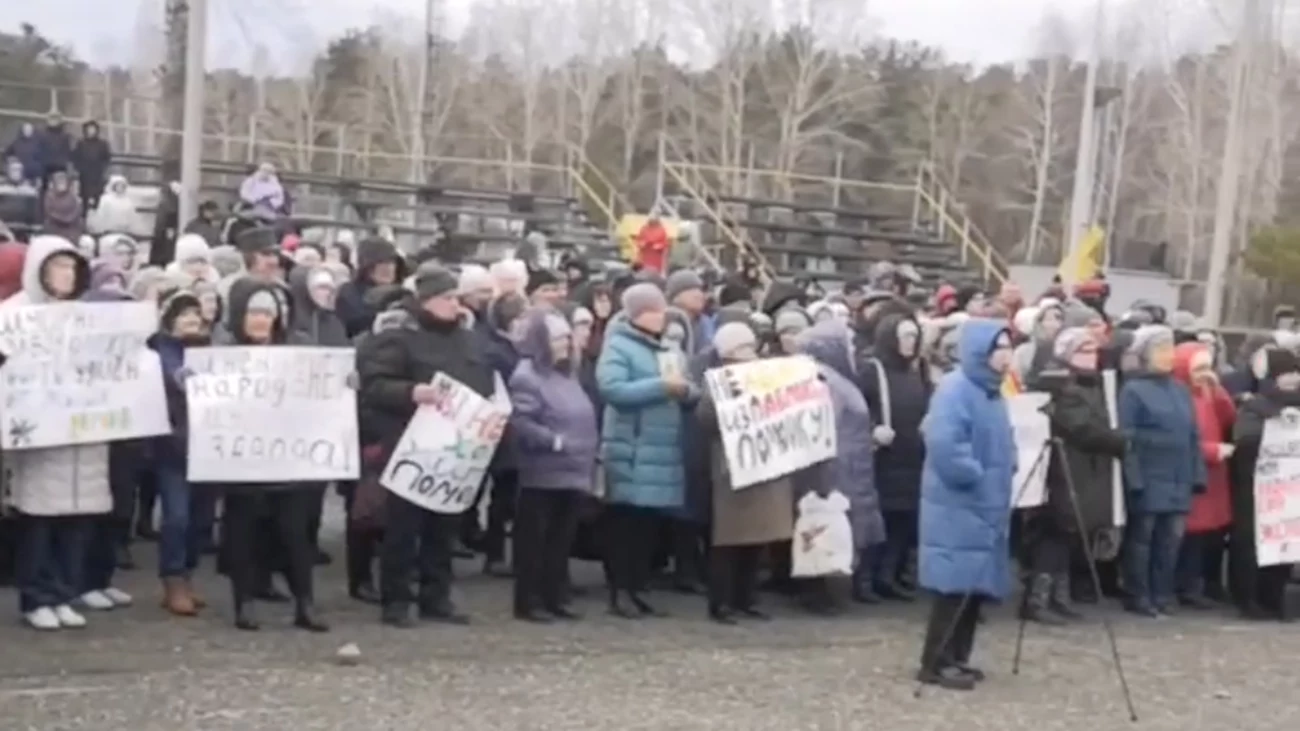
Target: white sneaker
(95, 600)
(118, 597)
(43, 619)
(68, 617)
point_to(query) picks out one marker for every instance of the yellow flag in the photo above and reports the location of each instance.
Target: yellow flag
(1083, 263)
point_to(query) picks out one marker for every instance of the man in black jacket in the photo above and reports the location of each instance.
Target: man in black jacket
(91, 157)
(395, 380)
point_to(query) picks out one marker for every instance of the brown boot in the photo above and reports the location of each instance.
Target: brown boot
(195, 599)
(176, 599)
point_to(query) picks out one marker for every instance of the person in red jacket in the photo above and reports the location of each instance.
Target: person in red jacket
(652, 244)
(1200, 561)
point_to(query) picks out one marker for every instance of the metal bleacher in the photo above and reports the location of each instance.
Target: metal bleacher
(829, 229)
(335, 188)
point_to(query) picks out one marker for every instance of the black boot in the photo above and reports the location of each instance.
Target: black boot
(1035, 605)
(618, 608)
(364, 593)
(644, 607)
(1060, 602)
(397, 615)
(245, 618)
(304, 617)
(722, 615)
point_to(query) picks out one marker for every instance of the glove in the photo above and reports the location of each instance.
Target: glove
(353, 381)
(182, 374)
(882, 435)
(558, 445)
(1226, 451)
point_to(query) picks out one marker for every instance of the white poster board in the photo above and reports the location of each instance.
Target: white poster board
(271, 414)
(79, 373)
(1277, 493)
(1033, 434)
(443, 456)
(1110, 387)
(775, 416)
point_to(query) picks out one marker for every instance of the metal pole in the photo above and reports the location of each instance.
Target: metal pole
(1084, 169)
(421, 98)
(192, 128)
(1225, 211)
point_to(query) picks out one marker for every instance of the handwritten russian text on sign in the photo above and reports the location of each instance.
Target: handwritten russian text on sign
(775, 416)
(1277, 493)
(79, 373)
(443, 455)
(1033, 431)
(267, 415)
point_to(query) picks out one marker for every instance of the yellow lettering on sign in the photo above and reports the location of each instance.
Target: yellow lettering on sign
(97, 423)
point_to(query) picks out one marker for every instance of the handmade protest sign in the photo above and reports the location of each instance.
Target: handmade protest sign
(79, 373)
(443, 455)
(775, 416)
(1277, 493)
(268, 415)
(1033, 431)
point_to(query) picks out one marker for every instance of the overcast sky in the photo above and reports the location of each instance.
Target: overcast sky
(979, 31)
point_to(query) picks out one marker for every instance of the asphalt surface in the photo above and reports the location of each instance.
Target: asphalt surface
(139, 669)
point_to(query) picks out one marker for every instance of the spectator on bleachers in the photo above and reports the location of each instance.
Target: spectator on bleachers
(262, 191)
(652, 244)
(19, 206)
(62, 208)
(55, 150)
(90, 158)
(162, 246)
(114, 212)
(206, 224)
(26, 148)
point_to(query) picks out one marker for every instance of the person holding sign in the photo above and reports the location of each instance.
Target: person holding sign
(255, 317)
(1163, 469)
(747, 520)
(1259, 589)
(53, 489)
(966, 494)
(553, 428)
(396, 378)
(642, 446)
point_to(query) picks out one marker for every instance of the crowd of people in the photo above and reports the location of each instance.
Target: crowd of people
(614, 446)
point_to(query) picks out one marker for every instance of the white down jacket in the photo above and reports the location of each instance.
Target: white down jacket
(55, 480)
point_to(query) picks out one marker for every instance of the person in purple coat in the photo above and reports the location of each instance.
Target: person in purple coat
(555, 440)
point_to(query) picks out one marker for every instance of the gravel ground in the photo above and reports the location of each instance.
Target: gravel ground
(141, 670)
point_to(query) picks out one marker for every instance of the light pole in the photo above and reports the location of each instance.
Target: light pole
(196, 37)
(1081, 218)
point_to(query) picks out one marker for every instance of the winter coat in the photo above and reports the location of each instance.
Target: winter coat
(351, 303)
(553, 425)
(970, 461)
(641, 436)
(1215, 414)
(852, 470)
(90, 158)
(1163, 463)
(264, 194)
(12, 256)
(905, 386)
(313, 324)
(115, 212)
(54, 146)
(397, 360)
(1089, 446)
(63, 214)
(759, 514)
(205, 228)
(172, 449)
(27, 150)
(54, 481)
(1248, 434)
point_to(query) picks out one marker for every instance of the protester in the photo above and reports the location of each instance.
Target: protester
(970, 459)
(501, 346)
(26, 150)
(54, 149)
(653, 242)
(62, 208)
(378, 264)
(91, 157)
(1163, 469)
(553, 432)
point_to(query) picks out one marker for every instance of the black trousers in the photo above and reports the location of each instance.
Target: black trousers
(733, 576)
(500, 514)
(316, 513)
(950, 632)
(690, 548)
(630, 533)
(146, 499)
(1047, 545)
(416, 542)
(362, 543)
(545, 521)
(265, 531)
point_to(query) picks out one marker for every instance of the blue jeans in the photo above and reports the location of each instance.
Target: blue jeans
(1151, 558)
(51, 560)
(186, 524)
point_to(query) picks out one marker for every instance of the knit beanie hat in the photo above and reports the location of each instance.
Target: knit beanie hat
(641, 298)
(732, 338)
(1146, 338)
(1077, 314)
(1068, 342)
(434, 282)
(791, 321)
(682, 280)
(732, 292)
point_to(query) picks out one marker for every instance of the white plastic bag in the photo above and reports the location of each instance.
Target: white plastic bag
(823, 538)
